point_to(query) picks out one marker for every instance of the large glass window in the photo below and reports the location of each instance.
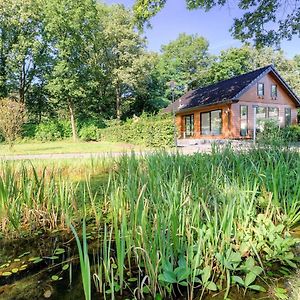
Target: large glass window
(244, 120)
(211, 122)
(260, 89)
(287, 116)
(274, 91)
(261, 115)
(189, 125)
(205, 123)
(273, 113)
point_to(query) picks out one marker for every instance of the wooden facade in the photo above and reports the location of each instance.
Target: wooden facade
(237, 117)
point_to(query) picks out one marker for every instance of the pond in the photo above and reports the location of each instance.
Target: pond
(207, 226)
(47, 267)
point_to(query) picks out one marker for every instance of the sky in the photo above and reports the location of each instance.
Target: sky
(214, 25)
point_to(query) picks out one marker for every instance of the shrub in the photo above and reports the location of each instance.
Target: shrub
(292, 133)
(273, 135)
(152, 131)
(28, 130)
(53, 130)
(89, 133)
(12, 118)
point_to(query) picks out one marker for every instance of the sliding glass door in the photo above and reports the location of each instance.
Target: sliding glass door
(211, 122)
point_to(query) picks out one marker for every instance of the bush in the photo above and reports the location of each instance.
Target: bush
(28, 131)
(53, 130)
(292, 133)
(273, 135)
(12, 118)
(89, 133)
(151, 131)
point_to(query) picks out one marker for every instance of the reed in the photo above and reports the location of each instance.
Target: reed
(169, 224)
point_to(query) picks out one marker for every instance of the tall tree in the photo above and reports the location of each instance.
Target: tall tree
(184, 61)
(266, 22)
(70, 28)
(126, 62)
(22, 50)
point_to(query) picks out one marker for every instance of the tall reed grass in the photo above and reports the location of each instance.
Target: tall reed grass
(200, 223)
(169, 224)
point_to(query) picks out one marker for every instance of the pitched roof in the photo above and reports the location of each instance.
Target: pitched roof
(225, 91)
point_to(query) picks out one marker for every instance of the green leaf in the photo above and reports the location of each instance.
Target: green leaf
(257, 288)
(54, 277)
(211, 286)
(169, 277)
(182, 262)
(250, 263)
(257, 270)
(133, 279)
(238, 279)
(206, 274)
(250, 277)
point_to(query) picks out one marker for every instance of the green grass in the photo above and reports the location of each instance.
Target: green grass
(66, 146)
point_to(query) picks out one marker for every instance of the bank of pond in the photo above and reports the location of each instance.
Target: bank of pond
(223, 225)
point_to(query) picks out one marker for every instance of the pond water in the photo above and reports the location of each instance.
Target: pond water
(47, 267)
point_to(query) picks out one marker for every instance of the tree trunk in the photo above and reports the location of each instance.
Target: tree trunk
(72, 119)
(118, 102)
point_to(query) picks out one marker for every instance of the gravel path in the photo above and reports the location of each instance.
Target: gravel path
(191, 149)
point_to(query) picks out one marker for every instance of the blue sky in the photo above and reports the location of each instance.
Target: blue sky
(213, 25)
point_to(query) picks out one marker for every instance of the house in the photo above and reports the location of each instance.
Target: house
(231, 108)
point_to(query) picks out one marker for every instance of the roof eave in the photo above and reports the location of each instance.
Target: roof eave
(183, 110)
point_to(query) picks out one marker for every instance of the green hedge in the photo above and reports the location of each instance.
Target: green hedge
(151, 131)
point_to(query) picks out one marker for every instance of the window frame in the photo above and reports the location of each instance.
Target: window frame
(192, 125)
(276, 91)
(285, 116)
(258, 89)
(268, 112)
(247, 119)
(210, 122)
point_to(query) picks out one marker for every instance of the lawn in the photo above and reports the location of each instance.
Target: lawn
(66, 146)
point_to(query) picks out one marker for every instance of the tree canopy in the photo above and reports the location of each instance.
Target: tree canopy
(86, 61)
(283, 16)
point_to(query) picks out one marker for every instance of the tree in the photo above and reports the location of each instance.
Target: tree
(12, 117)
(184, 60)
(284, 16)
(70, 28)
(229, 63)
(22, 49)
(126, 62)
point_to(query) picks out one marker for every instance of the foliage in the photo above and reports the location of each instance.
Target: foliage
(84, 260)
(273, 135)
(292, 133)
(172, 223)
(12, 118)
(253, 25)
(184, 61)
(89, 132)
(155, 131)
(53, 130)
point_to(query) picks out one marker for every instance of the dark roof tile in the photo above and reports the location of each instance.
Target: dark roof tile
(221, 92)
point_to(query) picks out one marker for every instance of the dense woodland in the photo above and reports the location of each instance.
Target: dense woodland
(84, 60)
